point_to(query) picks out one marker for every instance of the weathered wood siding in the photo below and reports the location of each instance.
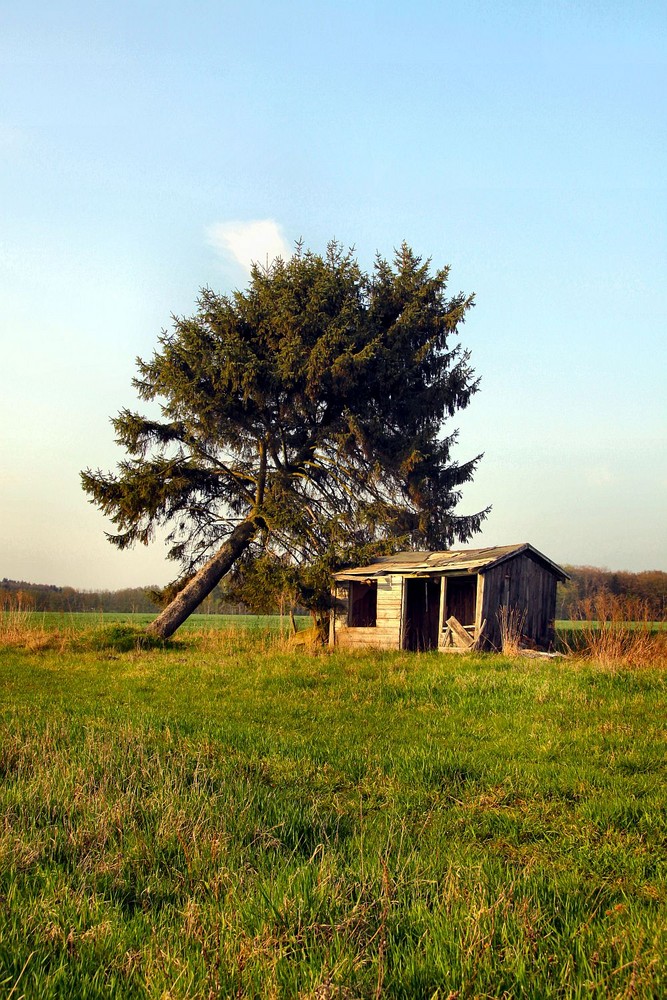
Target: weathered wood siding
(386, 634)
(526, 585)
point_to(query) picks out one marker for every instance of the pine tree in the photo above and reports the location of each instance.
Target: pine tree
(303, 417)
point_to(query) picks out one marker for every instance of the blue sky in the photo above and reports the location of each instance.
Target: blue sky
(148, 149)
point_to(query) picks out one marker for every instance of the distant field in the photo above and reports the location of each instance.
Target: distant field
(231, 819)
(88, 619)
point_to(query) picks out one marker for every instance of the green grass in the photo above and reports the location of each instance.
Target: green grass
(233, 820)
(79, 620)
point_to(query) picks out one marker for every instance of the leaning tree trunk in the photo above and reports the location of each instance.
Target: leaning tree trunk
(203, 582)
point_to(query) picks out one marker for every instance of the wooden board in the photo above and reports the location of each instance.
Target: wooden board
(460, 636)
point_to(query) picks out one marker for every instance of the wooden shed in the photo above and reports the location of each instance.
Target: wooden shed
(453, 600)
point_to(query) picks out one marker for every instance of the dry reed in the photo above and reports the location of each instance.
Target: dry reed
(618, 631)
(21, 629)
(512, 622)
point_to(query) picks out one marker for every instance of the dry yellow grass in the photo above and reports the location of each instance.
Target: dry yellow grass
(19, 629)
(619, 632)
(512, 621)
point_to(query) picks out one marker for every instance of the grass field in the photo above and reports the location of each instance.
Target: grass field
(230, 818)
(80, 620)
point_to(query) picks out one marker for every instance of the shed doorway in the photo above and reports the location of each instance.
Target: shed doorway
(461, 599)
(420, 616)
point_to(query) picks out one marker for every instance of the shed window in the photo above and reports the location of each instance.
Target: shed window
(363, 605)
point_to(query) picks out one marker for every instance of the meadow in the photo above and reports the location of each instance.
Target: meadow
(227, 816)
(86, 620)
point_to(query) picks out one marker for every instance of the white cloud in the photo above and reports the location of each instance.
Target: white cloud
(249, 242)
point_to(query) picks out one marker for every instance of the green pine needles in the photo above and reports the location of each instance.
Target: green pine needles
(303, 419)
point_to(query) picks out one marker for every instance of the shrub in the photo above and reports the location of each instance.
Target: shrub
(120, 638)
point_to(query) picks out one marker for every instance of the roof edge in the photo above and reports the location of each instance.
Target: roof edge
(527, 547)
(377, 569)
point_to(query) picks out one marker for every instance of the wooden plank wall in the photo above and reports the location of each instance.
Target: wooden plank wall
(524, 584)
(387, 632)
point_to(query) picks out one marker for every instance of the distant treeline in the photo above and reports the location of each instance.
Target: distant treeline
(649, 587)
(46, 597)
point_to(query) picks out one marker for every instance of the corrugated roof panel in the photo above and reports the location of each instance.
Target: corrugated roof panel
(429, 562)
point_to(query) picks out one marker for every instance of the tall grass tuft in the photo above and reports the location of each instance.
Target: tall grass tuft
(18, 627)
(512, 621)
(617, 631)
(236, 641)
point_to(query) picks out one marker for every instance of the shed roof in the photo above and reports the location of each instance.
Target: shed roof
(444, 563)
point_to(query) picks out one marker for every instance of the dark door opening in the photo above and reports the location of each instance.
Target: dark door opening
(461, 599)
(420, 619)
